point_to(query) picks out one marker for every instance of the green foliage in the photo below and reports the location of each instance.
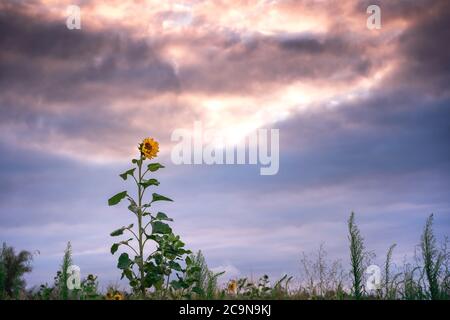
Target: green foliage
(63, 275)
(159, 227)
(89, 288)
(12, 269)
(154, 166)
(169, 259)
(433, 259)
(45, 292)
(356, 257)
(2, 278)
(196, 281)
(117, 198)
(173, 272)
(281, 287)
(244, 288)
(125, 175)
(411, 288)
(206, 280)
(158, 197)
(249, 289)
(389, 281)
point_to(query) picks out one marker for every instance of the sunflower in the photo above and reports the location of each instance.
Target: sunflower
(118, 296)
(149, 148)
(232, 287)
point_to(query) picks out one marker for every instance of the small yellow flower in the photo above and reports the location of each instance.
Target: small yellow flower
(149, 148)
(118, 296)
(109, 296)
(232, 287)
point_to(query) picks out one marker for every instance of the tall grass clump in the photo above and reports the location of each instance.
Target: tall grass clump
(206, 280)
(357, 255)
(63, 275)
(410, 285)
(433, 262)
(389, 283)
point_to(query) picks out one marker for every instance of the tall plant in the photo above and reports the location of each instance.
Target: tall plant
(389, 282)
(205, 279)
(155, 269)
(356, 257)
(12, 269)
(63, 274)
(433, 259)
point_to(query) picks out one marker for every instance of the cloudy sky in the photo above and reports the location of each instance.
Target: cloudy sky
(363, 118)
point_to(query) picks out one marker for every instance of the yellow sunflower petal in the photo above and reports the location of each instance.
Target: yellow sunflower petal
(149, 148)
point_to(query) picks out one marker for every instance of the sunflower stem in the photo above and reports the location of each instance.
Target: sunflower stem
(140, 233)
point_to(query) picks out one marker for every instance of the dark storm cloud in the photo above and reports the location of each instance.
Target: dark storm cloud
(423, 48)
(43, 57)
(426, 49)
(260, 62)
(62, 83)
(372, 137)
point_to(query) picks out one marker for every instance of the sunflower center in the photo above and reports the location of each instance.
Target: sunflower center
(148, 146)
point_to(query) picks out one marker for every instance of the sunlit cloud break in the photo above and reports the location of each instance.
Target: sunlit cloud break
(223, 148)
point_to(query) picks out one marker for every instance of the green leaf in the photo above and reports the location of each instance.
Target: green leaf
(160, 227)
(136, 161)
(124, 261)
(162, 216)
(120, 231)
(126, 241)
(129, 274)
(198, 290)
(117, 198)
(133, 208)
(176, 284)
(117, 232)
(174, 265)
(149, 182)
(154, 237)
(114, 247)
(158, 197)
(154, 166)
(126, 173)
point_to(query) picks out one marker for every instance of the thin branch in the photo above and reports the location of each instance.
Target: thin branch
(131, 248)
(133, 233)
(147, 224)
